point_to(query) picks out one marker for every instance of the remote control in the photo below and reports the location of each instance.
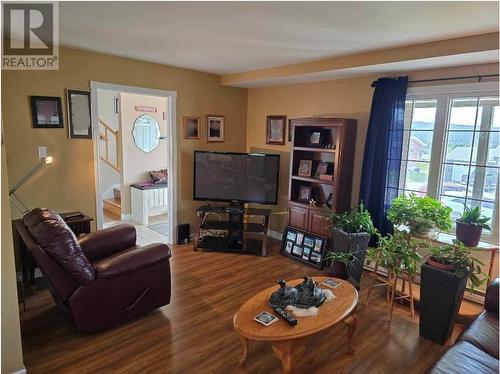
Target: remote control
(286, 316)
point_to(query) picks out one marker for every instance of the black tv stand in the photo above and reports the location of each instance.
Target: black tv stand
(230, 230)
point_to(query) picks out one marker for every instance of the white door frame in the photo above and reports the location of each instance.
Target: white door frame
(171, 97)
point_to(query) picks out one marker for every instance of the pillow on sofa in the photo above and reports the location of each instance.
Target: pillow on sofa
(160, 176)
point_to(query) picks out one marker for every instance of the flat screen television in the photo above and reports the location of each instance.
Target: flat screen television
(236, 177)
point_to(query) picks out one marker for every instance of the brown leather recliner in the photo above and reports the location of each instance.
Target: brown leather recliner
(476, 350)
(101, 280)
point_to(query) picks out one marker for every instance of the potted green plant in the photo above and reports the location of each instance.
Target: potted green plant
(398, 252)
(419, 214)
(352, 231)
(443, 280)
(341, 263)
(470, 226)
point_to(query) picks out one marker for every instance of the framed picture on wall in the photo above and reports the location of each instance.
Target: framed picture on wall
(215, 128)
(46, 112)
(275, 131)
(191, 127)
(79, 119)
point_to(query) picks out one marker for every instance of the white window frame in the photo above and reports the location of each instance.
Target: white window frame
(444, 94)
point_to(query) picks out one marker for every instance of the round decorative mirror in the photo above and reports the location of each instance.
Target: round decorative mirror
(146, 133)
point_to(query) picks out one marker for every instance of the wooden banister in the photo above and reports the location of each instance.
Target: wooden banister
(110, 164)
(106, 126)
(105, 138)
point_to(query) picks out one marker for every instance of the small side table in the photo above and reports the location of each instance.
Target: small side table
(78, 222)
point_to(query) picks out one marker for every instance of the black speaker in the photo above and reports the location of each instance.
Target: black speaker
(183, 233)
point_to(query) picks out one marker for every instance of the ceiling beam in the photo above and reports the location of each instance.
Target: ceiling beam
(441, 48)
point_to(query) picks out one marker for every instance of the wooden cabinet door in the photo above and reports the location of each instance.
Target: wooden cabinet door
(298, 217)
(319, 224)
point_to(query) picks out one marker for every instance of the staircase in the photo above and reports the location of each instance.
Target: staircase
(107, 135)
(113, 206)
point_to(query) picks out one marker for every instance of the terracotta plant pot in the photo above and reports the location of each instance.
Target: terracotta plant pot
(339, 270)
(469, 234)
(438, 265)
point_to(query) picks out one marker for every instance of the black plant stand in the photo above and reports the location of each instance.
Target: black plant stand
(441, 294)
(344, 242)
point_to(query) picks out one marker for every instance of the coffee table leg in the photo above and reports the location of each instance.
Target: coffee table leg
(245, 343)
(289, 352)
(352, 323)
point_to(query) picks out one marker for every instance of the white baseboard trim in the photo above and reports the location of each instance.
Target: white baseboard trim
(22, 371)
(275, 234)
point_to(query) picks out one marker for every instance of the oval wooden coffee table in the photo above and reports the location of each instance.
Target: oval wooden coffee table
(288, 341)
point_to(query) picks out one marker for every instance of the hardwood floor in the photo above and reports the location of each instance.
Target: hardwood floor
(194, 334)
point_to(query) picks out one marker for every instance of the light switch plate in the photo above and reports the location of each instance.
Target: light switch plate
(42, 151)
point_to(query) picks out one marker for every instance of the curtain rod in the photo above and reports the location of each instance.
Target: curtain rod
(478, 77)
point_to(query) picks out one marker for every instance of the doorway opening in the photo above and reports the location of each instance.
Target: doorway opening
(134, 157)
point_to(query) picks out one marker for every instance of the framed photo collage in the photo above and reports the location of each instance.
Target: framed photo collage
(302, 246)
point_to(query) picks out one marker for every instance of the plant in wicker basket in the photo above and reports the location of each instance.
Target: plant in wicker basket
(443, 280)
(352, 231)
(341, 263)
(457, 258)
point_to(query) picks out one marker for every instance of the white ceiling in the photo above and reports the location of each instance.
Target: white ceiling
(226, 37)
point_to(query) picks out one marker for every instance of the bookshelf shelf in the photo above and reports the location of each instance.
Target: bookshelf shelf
(339, 135)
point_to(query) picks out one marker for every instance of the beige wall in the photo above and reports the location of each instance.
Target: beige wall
(68, 183)
(12, 356)
(136, 163)
(350, 98)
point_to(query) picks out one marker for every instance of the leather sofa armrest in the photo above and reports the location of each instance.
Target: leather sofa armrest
(491, 299)
(132, 260)
(104, 243)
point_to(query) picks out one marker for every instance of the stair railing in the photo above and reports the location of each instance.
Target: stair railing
(105, 136)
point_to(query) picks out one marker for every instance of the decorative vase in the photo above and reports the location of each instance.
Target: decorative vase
(441, 294)
(339, 270)
(358, 243)
(468, 234)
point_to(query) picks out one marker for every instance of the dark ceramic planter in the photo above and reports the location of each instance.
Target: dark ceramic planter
(441, 294)
(438, 265)
(339, 270)
(470, 235)
(345, 242)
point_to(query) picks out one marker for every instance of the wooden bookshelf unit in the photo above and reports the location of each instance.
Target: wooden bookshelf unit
(330, 141)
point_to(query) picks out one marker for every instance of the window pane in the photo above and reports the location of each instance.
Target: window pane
(454, 180)
(420, 145)
(495, 123)
(459, 146)
(487, 181)
(424, 115)
(417, 174)
(419, 194)
(456, 204)
(494, 149)
(463, 114)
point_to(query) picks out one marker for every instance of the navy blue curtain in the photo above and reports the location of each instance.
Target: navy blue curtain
(383, 148)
